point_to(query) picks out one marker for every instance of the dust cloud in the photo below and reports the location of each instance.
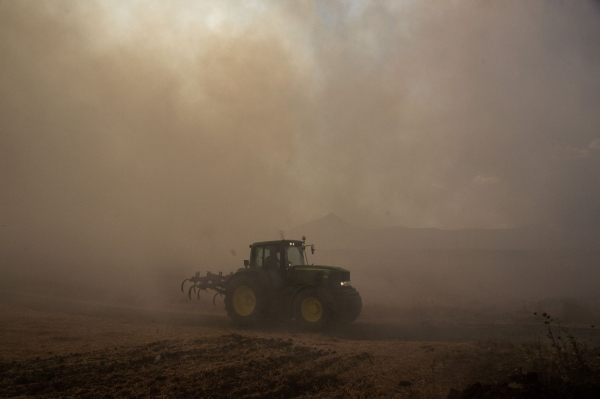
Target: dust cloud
(142, 141)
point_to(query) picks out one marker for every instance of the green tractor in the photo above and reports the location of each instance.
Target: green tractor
(278, 282)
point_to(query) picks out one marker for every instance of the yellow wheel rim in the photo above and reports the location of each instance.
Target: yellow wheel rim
(244, 300)
(311, 309)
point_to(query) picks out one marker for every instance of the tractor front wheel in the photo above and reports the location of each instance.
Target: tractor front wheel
(314, 308)
(244, 300)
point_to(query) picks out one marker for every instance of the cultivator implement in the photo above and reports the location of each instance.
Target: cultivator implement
(217, 282)
(277, 282)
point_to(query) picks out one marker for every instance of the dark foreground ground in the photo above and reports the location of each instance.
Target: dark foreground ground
(58, 348)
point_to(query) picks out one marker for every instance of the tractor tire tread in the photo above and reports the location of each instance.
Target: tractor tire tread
(349, 305)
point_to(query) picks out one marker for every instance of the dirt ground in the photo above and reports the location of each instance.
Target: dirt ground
(54, 348)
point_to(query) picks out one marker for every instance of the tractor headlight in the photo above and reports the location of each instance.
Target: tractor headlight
(345, 283)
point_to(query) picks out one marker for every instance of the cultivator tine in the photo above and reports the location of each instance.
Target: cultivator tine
(214, 299)
(193, 287)
(182, 284)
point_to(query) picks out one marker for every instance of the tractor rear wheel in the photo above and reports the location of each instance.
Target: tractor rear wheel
(244, 300)
(349, 305)
(314, 308)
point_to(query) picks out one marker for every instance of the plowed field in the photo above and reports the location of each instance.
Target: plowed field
(49, 349)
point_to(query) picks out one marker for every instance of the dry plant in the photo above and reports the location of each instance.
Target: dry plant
(564, 357)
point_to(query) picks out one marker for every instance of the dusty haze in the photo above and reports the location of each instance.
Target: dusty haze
(140, 141)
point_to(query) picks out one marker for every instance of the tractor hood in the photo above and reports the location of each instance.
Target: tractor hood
(319, 268)
(331, 276)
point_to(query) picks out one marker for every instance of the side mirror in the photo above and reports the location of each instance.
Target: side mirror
(246, 263)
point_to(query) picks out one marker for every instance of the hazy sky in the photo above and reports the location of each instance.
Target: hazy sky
(139, 127)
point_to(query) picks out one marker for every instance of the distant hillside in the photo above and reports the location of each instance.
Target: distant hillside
(331, 232)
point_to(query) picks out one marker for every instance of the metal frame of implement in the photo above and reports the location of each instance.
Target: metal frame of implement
(217, 282)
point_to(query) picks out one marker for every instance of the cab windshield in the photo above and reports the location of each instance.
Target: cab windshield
(294, 256)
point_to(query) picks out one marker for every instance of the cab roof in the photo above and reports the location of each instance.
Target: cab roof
(276, 242)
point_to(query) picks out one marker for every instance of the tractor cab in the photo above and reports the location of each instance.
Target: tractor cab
(276, 255)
